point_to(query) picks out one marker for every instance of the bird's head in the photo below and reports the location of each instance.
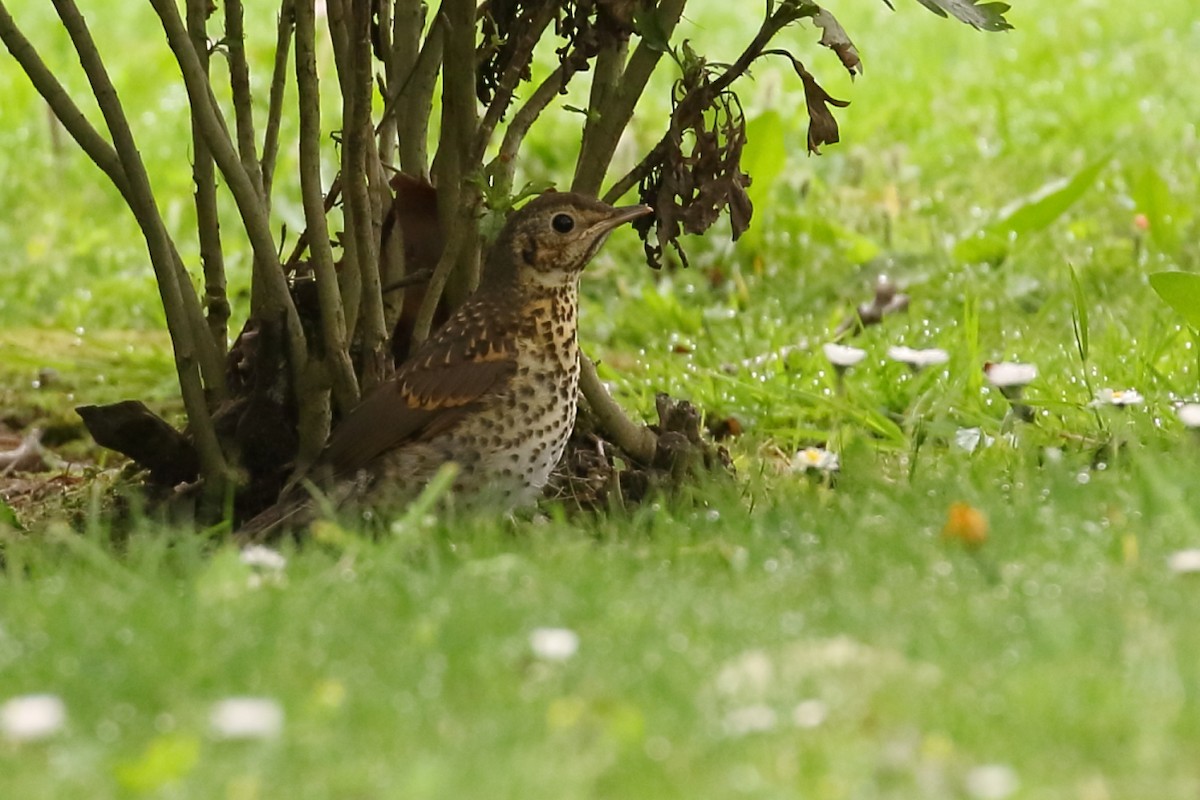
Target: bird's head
(552, 237)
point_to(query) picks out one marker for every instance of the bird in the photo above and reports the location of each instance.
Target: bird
(494, 390)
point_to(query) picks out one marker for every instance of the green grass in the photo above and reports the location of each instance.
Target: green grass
(1063, 649)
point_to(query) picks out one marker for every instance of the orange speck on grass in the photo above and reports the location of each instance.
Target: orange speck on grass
(966, 524)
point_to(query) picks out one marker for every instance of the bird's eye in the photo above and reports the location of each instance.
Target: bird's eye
(563, 223)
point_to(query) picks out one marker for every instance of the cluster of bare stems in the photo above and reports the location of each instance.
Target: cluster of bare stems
(401, 52)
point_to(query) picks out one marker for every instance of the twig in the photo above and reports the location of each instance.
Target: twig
(208, 226)
(411, 279)
(144, 207)
(333, 321)
(270, 149)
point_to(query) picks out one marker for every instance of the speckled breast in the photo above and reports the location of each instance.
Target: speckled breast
(507, 450)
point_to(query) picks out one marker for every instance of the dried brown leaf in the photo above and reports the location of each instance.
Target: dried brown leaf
(834, 36)
(822, 126)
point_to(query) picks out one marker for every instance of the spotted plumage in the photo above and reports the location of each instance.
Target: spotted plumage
(493, 390)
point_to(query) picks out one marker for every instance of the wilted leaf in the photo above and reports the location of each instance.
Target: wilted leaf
(822, 127)
(986, 16)
(834, 37)
(1181, 291)
(695, 172)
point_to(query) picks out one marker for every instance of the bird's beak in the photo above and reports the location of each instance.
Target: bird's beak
(619, 216)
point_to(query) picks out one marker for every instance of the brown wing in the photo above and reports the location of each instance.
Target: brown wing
(472, 356)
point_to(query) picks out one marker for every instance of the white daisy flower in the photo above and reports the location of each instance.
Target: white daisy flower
(1189, 415)
(554, 644)
(750, 719)
(246, 718)
(843, 356)
(263, 558)
(1184, 561)
(809, 713)
(32, 717)
(992, 782)
(918, 359)
(970, 439)
(816, 459)
(1009, 374)
(1118, 397)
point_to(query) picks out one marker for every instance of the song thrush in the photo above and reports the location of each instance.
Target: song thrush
(493, 390)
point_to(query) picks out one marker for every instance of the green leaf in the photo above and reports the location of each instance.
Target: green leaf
(982, 247)
(1181, 291)
(8, 517)
(649, 26)
(987, 16)
(1043, 207)
(1166, 214)
(1079, 316)
(1027, 215)
(763, 159)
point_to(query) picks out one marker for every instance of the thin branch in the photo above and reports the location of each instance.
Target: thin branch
(601, 137)
(386, 50)
(239, 85)
(269, 299)
(504, 165)
(437, 284)
(523, 55)
(333, 321)
(350, 267)
(212, 259)
(270, 149)
(607, 75)
(144, 207)
(412, 101)
(411, 279)
(357, 176)
(273, 300)
(416, 91)
(453, 164)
